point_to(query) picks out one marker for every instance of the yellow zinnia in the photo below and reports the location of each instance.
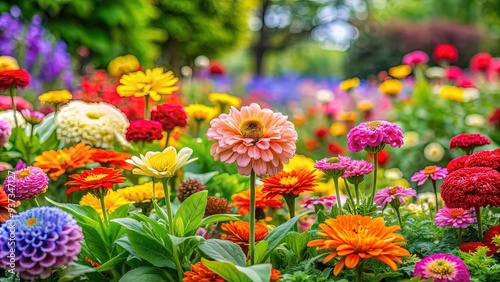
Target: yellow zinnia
(225, 101)
(153, 82)
(391, 87)
(112, 201)
(55, 97)
(122, 65)
(365, 105)
(200, 112)
(348, 116)
(8, 63)
(142, 193)
(454, 93)
(400, 71)
(302, 162)
(349, 84)
(338, 129)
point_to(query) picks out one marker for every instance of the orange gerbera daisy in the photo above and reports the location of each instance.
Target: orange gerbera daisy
(110, 158)
(200, 273)
(239, 233)
(356, 237)
(55, 163)
(289, 182)
(96, 178)
(262, 200)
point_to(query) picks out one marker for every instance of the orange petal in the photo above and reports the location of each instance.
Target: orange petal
(351, 260)
(339, 266)
(330, 257)
(388, 261)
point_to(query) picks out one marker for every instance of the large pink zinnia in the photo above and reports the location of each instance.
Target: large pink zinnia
(374, 135)
(456, 217)
(255, 138)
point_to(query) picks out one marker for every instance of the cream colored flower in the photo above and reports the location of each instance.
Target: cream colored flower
(325, 96)
(411, 139)
(434, 152)
(475, 120)
(435, 72)
(97, 124)
(393, 173)
(8, 116)
(161, 164)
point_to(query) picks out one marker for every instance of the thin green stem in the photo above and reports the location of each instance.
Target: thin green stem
(479, 224)
(290, 202)
(359, 272)
(374, 188)
(154, 190)
(13, 103)
(349, 193)
(337, 193)
(30, 145)
(34, 203)
(103, 208)
(396, 209)
(356, 189)
(435, 194)
(168, 137)
(460, 235)
(146, 115)
(251, 249)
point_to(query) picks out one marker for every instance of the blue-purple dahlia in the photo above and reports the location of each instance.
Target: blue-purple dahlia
(36, 242)
(26, 183)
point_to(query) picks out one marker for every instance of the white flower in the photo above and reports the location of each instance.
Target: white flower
(410, 139)
(324, 96)
(435, 72)
(8, 116)
(475, 120)
(434, 152)
(97, 124)
(161, 164)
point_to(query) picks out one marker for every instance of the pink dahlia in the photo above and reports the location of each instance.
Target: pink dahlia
(487, 158)
(334, 166)
(453, 72)
(433, 171)
(25, 184)
(442, 268)
(469, 141)
(256, 139)
(388, 194)
(144, 130)
(170, 116)
(457, 163)
(326, 201)
(415, 58)
(374, 135)
(456, 217)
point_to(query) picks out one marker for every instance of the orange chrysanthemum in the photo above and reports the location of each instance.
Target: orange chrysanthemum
(200, 273)
(275, 275)
(356, 237)
(96, 178)
(239, 233)
(55, 163)
(289, 182)
(110, 158)
(262, 200)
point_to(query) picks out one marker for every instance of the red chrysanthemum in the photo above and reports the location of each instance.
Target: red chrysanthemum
(486, 158)
(110, 158)
(96, 178)
(457, 163)
(335, 149)
(445, 52)
(383, 158)
(468, 141)
(144, 130)
(492, 233)
(170, 116)
(289, 182)
(13, 78)
(480, 61)
(471, 247)
(471, 187)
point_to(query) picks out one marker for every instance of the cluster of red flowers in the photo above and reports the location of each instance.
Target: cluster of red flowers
(144, 130)
(469, 141)
(471, 247)
(486, 158)
(169, 116)
(457, 163)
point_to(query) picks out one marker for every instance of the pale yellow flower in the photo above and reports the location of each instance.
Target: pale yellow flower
(348, 116)
(411, 139)
(201, 112)
(55, 97)
(338, 129)
(400, 71)
(434, 152)
(225, 100)
(123, 65)
(475, 120)
(154, 82)
(391, 87)
(112, 201)
(349, 84)
(454, 93)
(365, 105)
(8, 63)
(161, 164)
(142, 193)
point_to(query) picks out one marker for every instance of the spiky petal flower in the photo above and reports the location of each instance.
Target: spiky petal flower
(55, 163)
(292, 182)
(372, 136)
(468, 141)
(433, 171)
(26, 183)
(442, 268)
(356, 237)
(95, 179)
(217, 205)
(188, 188)
(7, 206)
(153, 82)
(200, 273)
(239, 233)
(389, 194)
(456, 217)
(256, 139)
(46, 238)
(262, 200)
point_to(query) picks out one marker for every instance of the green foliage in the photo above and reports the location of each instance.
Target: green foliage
(231, 272)
(482, 267)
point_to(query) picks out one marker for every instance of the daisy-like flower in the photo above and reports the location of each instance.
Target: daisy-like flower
(169, 116)
(372, 136)
(396, 193)
(200, 113)
(142, 193)
(442, 268)
(13, 78)
(46, 239)
(334, 166)
(123, 65)
(200, 273)
(289, 183)
(56, 97)
(349, 84)
(486, 158)
(161, 164)
(112, 201)
(457, 163)
(355, 238)
(55, 163)
(391, 87)
(239, 233)
(256, 139)
(242, 200)
(95, 179)
(400, 71)
(5, 132)
(110, 158)
(144, 130)
(433, 171)
(325, 201)
(224, 101)
(153, 83)
(456, 217)
(356, 171)
(26, 183)
(492, 239)
(6, 206)
(468, 142)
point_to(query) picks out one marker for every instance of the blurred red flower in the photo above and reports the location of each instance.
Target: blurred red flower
(480, 61)
(445, 52)
(13, 78)
(169, 116)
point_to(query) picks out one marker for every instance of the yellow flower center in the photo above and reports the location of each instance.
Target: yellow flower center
(441, 267)
(23, 173)
(95, 177)
(30, 221)
(62, 158)
(253, 128)
(392, 191)
(289, 180)
(373, 124)
(333, 160)
(430, 169)
(456, 212)
(163, 161)
(94, 115)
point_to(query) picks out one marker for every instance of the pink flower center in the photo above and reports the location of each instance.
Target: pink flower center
(253, 128)
(456, 212)
(23, 173)
(429, 169)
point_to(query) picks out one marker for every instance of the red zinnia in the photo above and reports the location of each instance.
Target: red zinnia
(471, 247)
(239, 233)
(200, 273)
(487, 158)
(144, 130)
(170, 116)
(383, 158)
(468, 141)
(13, 78)
(335, 149)
(445, 52)
(321, 132)
(96, 178)
(488, 237)
(471, 187)
(457, 163)
(480, 61)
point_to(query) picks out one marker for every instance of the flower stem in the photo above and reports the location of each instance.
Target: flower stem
(349, 193)
(290, 202)
(435, 194)
(251, 248)
(374, 188)
(14, 110)
(34, 203)
(359, 272)
(337, 193)
(396, 209)
(154, 190)
(103, 208)
(356, 189)
(460, 235)
(30, 145)
(146, 115)
(168, 137)
(479, 225)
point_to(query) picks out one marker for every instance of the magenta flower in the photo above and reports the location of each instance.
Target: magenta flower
(389, 194)
(434, 171)
(32, 117)
(358, 168)
(5, 132)
(26, 184)
(415, 58)
(326, 201)
(333, 167)
(456, 217)
(374, 135)
(442, 268)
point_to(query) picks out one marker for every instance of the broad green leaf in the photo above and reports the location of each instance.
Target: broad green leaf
(158, 231)
(74, 271)
(234, 273)
(146, 273)
(160, 212)
(120, 212)
(260, 251)
(222, 250)
(258, 272)
(179, 240)
(150, 249)
(297, 243)
(114, 261)
(80, 213)
(129, 224)
(218, 218)
(96, 243)
(191, 213)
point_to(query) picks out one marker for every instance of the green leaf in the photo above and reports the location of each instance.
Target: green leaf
(119, 212)
(158, 231)
(73, 271)
(80, 213)
(146, 273)
(222, 250)
(297, 243)
(129, 224)
(260, 251)
(160, 212)
(218, 218)
(179, 240)
(150, 249)
(190, 213)
(97, 245)
(233, 273)
(112, 262)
